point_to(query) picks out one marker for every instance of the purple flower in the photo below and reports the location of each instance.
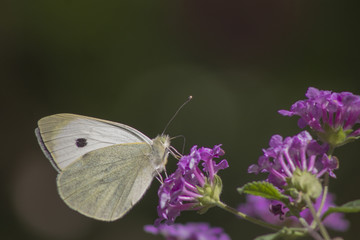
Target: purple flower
(329, 114)
(260, 207)
(287, 158)
(189, 187)
(189, 231)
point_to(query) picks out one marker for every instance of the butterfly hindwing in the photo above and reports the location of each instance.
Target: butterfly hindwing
(66, 137)
(104, 184)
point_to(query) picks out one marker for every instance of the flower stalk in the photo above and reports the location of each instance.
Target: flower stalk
(323, 230)
(323, 199)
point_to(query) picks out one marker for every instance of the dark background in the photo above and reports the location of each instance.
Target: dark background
(135, 62)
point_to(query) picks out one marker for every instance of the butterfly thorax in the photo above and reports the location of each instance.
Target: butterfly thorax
(160, 151)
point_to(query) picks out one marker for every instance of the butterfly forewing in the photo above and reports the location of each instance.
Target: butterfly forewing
(66, 137)
(105, 184)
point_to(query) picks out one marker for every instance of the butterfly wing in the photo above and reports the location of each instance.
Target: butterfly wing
(105, 184)
(66, 137)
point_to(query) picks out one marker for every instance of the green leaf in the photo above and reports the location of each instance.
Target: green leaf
(263, 189)
(350, 207)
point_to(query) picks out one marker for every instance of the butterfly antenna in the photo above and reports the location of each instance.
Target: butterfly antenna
(188, 100)
(183, 146)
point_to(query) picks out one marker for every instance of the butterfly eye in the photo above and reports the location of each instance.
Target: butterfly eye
(81, 142)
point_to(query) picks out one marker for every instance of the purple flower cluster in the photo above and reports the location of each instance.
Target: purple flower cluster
(284, 156)
(324, 109)
(260, 207)
(189, 231)
(294, 165)
(181, 190)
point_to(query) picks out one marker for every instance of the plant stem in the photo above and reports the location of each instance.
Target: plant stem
(323, 199)
(323, 231)
(325, 191)
(310, 230)
(248, 218)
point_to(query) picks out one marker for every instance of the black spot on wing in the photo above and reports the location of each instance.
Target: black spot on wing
(81, 142)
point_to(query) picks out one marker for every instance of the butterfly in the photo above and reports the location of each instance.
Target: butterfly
(104, 167)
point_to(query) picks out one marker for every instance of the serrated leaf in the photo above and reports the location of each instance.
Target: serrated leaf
(262, 189)
(350, 207)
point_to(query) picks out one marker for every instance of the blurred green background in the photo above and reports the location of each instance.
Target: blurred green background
(135, 62)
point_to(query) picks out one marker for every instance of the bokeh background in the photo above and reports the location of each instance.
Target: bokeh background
(135, 62)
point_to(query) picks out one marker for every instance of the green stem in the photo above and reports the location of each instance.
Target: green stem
(246, 217)
(323, 231)
(310, 230)
(325, 192)
(326, 188)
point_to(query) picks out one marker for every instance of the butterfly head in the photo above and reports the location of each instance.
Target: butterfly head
(161, 150)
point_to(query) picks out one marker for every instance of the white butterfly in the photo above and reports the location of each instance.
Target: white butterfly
(104, 167)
